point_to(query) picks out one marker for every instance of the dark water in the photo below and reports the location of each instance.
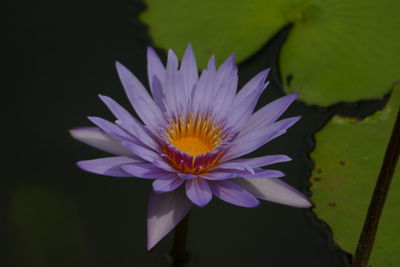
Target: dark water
(62, 55)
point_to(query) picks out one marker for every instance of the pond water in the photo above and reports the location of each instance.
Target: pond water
(58, 215)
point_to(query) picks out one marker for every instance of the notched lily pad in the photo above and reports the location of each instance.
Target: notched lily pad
(337, 51)
(342, 50)
(214, 27)
(347, 158)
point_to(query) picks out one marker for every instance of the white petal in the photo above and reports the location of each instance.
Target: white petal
(275, 190)
(165, 211)
(93, 136)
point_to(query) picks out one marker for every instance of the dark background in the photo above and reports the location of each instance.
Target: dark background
(59, 56)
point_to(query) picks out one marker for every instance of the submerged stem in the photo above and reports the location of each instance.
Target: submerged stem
(367, 237)
(178, 251)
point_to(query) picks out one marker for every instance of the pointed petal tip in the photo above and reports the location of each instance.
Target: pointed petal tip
(231, 59)
(77, 132)
(81, 165)
(275, 190)
(165, 211)
(253, 204)
(121, 69)
(189, 54)
(74, 132)
(189, 47)
(93, 119)
(211, 63)
(104, 98)
(171, 52)
(198, 192)
(307, 204)
(118, 65)
(302, 202)
(201, 205)
(267, 71)
(279, 174)
(150, 245)
(150, 50)
(289, 122)
(256, 204)
(296, 118)
(290, 97)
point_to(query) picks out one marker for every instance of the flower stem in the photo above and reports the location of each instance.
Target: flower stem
(178, 251)
(367, 237)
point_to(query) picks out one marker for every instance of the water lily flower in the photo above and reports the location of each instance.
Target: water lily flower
(191, 134)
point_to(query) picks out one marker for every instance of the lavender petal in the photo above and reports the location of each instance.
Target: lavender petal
(218, 175)
(142, 152)
(129, 123)
(165, 211)
(113, 130)
(187, 175)
(275, 190)
(198, 191)
(250, 163)
(232, 193)
(256, 173)
(97, 138)
(147, 171)
(190, 74)
(154, 68)
(140, 99)
(226, 91)
(110, 166)
(246, 100)
(204, 93)
(269, 113)
(167, 185)
(176, 97)
(245, 144)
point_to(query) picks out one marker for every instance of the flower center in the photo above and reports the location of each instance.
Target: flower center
(192, 145)
(194, 135)
(195, 142)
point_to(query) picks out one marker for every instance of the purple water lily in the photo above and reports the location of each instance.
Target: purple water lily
(192, 132)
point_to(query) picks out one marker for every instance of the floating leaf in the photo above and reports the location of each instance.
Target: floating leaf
(342, 50)
(47, 224)
(337, 50)
(217, 26)
(348, 157)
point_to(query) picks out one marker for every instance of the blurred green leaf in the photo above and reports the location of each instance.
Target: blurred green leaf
(337, 50)
(218, 26)
(48, 227)
(347, 158)
(342, 51)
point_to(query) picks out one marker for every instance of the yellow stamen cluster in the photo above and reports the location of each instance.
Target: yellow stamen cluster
(194, 135)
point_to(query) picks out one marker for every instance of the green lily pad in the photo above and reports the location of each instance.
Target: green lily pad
(47, 224)
(348, 157)
(342, 50)
(337, 50)
(214, 27)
